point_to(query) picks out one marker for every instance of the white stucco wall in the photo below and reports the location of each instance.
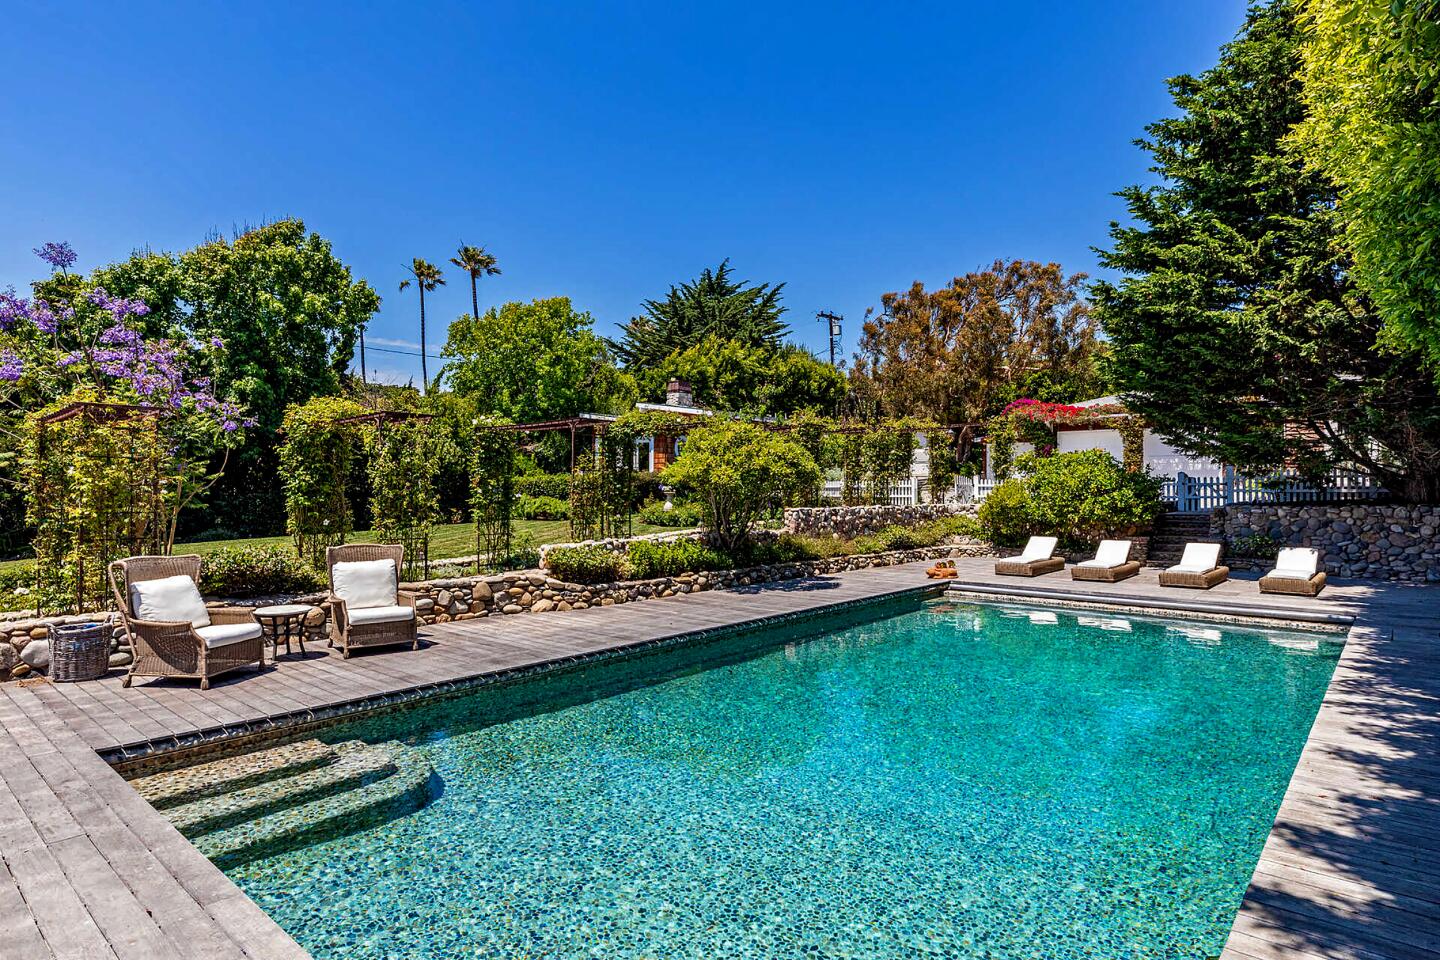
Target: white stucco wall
(1160, 458)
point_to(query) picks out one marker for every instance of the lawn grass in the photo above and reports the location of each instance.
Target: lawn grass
(447, 540)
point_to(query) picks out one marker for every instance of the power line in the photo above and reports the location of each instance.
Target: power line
(834, 320)
(403, 353)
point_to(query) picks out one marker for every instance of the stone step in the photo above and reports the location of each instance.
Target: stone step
(409, 788)
(175, 787)
(356, 765)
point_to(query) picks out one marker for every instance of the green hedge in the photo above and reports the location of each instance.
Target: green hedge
(257, 571)
(585, 564)
(556, 485)
(647, 559)
(541, 508)
(1081, 498)
(682, 515)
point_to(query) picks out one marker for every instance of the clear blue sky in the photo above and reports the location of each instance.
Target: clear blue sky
(601, 151)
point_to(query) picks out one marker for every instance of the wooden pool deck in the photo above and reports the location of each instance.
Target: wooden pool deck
(88, 869)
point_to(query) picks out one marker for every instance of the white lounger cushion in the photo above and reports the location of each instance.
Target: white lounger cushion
(1198, 558)
(222, 633)
(365, 583)
(1111, 553)
(169, 599)
(1038, 548)
(386, 614)
(1296, 563)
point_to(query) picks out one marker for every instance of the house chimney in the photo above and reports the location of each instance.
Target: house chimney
(677, 394)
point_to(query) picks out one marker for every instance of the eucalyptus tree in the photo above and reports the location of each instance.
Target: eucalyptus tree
(426, 277)
(477, 262)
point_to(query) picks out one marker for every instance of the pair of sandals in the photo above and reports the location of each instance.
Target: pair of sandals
(943, 570)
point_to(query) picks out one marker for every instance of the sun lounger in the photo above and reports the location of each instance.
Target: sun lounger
(1112, 563)
(1199, 568)
(1296, 572)
(1037, 558)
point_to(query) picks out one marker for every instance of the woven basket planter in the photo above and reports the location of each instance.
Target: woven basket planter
(79, 651)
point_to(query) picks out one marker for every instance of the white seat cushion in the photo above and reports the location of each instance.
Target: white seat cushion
(1111, 553)
(1199, 557)
(1037, 548)
(365, 583)
(386, 614)
(224, 633)
(169, 599)
(1281, 574)
(1298, 562)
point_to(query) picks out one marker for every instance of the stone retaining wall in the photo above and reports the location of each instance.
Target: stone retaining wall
(1374, 541)
(468, 598)
(849, 522)
(618, 544)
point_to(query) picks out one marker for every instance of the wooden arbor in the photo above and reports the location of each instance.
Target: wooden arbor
(96, 479)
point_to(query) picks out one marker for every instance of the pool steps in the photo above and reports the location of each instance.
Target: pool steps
(175, 787)
(271, 801)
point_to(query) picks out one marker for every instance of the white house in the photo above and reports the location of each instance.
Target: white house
(1161, 459)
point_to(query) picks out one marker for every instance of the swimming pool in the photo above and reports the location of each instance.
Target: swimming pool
(920, 779)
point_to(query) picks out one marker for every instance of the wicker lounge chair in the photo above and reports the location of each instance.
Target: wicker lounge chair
(367, 608)
(1297, 572)
(1035, 559)
(1112, 563)
(1199, 568)
(172, 632)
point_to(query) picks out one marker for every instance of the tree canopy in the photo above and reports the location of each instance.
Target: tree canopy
(1237, 329)
(534, 361)
(714, 305)
(959, 354)
(1371, 75)
(761, 381)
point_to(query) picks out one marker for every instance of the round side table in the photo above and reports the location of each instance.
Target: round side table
(285, 622)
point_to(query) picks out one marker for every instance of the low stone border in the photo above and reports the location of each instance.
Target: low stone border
(849, 522)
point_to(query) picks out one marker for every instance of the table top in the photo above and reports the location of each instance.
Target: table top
(284, 610)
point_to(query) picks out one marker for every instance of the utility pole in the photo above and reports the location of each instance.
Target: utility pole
(834, 320)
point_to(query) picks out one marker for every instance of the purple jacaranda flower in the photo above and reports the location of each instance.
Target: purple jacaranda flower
(43, 316)
(11, 366)
(217, 343)
(60, 256)
(12, 308)
(119, 307)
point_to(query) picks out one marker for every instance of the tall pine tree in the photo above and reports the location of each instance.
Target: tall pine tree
(712, 306)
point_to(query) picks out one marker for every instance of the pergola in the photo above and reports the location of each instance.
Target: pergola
(585, 421)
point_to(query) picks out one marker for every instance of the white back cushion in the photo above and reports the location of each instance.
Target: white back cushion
(1301, 560)
(171, 599)
(1112, 553)
(1038, 548)
(1201, 556)
(365, 583)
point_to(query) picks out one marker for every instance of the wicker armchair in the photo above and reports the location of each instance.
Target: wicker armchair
(372, 625)
(179, 648)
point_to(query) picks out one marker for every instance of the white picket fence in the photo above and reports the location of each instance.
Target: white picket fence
(1190, 494)
(1202, 494)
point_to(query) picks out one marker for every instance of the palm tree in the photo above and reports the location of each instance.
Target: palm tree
(426, 277)
(476, 262)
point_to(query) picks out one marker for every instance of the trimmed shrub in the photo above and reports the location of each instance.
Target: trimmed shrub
(585, 564)
(541, 508)
(256, 571)
(683, 515)
(556, 485)
(647, 559)
(1087, 496)
(1007, 516)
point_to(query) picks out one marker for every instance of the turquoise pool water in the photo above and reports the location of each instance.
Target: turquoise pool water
(929, 779)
